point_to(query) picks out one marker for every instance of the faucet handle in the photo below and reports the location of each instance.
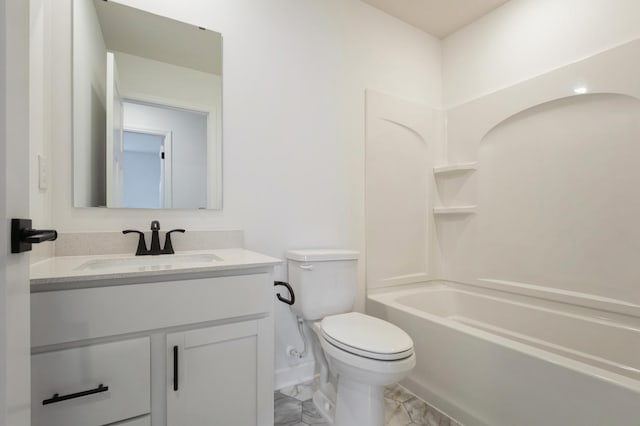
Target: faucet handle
(168, 247)
(142, 245)
(155, 225)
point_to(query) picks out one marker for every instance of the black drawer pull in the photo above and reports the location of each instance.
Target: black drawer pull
(175, 368)
(57, 398)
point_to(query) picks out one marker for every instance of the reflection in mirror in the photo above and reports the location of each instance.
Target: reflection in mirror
(147, 108)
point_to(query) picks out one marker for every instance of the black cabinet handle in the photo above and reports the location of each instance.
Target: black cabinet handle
(175, 368)
(58, 398)
(291, 293)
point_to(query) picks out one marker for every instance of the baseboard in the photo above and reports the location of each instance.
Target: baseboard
(294, 375)
(447, 407)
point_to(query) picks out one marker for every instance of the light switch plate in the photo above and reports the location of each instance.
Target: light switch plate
(43, 172)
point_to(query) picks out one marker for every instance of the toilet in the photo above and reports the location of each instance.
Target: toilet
(358, 355)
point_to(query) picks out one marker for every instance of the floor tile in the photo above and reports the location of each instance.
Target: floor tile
(402, 408)
(417, 410)
(287, 410)
(301, 392)
(423, 414)
(395, 413)
(397, 393)
(311, 416)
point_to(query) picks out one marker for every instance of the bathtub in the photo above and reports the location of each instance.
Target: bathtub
(491, 358)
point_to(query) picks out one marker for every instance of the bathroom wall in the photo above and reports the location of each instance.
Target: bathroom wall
(295, 74)
(554, 191)
(90, 100)
(39, 117)
(402, 144)
(15, 130)
(188, 148)
(152, 81)
(555, 186)
(557, 198)
(525, 38)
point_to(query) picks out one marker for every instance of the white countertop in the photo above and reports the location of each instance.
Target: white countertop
(47, 275)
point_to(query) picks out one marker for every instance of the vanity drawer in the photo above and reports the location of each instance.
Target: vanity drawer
(89, 313)
(124, 367)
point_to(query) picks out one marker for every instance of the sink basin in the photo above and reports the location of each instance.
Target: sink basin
(149, 262)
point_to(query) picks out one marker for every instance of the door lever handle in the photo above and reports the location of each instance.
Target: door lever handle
(23, 235)
(36, 236)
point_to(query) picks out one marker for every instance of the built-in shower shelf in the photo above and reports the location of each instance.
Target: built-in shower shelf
(459, 210)
(454, 168)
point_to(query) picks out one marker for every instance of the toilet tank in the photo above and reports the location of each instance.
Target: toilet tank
(324, 281)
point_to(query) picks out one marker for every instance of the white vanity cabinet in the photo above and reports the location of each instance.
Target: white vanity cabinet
(110, 350)
(226, 358)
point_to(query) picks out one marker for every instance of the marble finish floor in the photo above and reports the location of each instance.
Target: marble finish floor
(294, 407)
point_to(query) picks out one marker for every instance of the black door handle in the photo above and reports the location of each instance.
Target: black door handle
(59, 398)
(36, 236)
(22, 235)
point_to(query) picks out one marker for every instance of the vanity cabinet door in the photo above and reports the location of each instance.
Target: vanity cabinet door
(221, 376)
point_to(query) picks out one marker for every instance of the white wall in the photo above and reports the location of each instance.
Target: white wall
(188, 148)
(15, 380)
(4, 234)
(554, 161)
(40, 108)
(156, 82)
(525, 38)
(89, 97)
(295, 74)
(401, 147)
(548, 183)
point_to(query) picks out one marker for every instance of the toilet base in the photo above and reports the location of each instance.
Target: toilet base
(359, 404)
(325, 406)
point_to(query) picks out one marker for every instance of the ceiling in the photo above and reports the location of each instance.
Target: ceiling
(437, 17)
(139, 33)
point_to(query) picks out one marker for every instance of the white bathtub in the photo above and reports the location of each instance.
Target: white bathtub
(491, 358)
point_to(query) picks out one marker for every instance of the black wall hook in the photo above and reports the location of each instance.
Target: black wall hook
(282, 299)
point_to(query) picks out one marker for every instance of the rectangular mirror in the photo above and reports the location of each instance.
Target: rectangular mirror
(147, 109)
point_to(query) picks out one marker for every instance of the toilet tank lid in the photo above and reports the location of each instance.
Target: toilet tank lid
(319, 255)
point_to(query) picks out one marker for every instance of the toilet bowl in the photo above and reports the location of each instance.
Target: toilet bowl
(357, 354)
(365, 354)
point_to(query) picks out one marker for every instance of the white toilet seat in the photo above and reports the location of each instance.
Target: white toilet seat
(366, 336)
(366, 354)
(364, 369)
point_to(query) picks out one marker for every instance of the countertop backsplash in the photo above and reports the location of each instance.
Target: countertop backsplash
(96, 243)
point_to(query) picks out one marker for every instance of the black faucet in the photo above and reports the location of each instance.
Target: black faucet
(155, 241)
(155, 238)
